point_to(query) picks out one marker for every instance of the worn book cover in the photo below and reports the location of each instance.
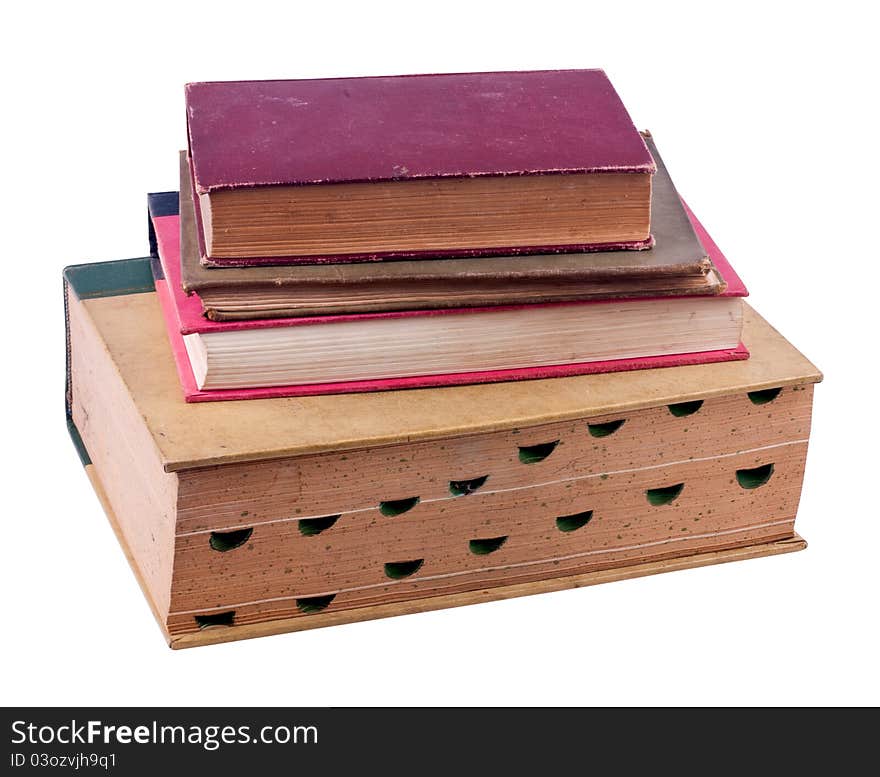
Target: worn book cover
(336, 130)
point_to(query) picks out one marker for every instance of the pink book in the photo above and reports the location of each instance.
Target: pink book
(191, 336)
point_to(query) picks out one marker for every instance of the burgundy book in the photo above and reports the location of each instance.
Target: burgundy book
(467, 164)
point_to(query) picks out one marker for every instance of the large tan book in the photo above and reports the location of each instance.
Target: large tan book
(255, 517)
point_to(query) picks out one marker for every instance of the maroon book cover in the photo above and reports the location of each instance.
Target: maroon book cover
(335, 130)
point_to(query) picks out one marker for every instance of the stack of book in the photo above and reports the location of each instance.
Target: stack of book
(595, 400)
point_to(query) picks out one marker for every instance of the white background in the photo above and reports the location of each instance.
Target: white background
(766, 116)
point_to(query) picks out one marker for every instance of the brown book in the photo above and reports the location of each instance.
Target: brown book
(677, 265)
(263, 516)
(358, 169)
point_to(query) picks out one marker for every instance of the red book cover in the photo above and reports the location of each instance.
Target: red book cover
(347, 130)
(184, 315)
